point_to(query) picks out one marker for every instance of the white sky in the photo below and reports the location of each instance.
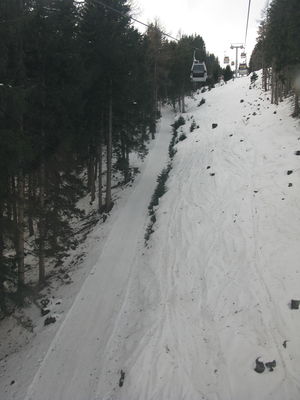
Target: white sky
(219, 22)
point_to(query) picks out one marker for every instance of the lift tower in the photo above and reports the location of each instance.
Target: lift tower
(236, 46)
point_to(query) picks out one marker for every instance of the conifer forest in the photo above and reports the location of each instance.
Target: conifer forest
(277, 51)
(80, 89)
(149, 199)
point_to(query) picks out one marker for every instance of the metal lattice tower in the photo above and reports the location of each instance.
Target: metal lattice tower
(236, 46)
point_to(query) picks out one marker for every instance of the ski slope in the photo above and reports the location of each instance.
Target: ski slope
(186, 317)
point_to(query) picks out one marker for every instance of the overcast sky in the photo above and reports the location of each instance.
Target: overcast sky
(219, 22)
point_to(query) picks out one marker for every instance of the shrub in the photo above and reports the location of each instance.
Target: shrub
(202, 101)
(179, 122)
(193, 126)
(254, 77)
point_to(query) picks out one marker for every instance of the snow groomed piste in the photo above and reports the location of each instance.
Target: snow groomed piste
(192, 315)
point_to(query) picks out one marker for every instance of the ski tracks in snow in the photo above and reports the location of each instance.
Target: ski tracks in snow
(203, 304)
(76, 359)
(186, 317)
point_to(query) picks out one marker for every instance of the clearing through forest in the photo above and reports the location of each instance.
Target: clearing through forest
(187, 316)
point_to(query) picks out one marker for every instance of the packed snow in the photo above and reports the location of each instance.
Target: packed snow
(191, 314)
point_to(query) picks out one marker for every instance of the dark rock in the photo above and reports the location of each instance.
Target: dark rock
(241, 101)
(45, 302)
(212, 174)
(122, 378)
(271, 365)
(254, 113)
(49, 320)
(289, 172)
(275, 112)
(297, 153)
(295, 304)
(208, 167)
(241, 140)
(290, 184)
(259, 367)
(45, 311)
(12, 382)
(214, 126)
(284, 344)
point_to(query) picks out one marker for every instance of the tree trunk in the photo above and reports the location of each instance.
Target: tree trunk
(264, 79)
(1, 231)
(108, 200)
(42, 227)
(127, 164)
(1, 234)
(2, 296)
(296, 112)
(273, 85)
(96, 168)
(20, 230)
(179, 103)
(280, 91)
(124, 161)
(30, 205)
(183, 105)
(14, 212)
(153, 130)
(276, 89)
(89, 170)
(100, 203)
(92, 176)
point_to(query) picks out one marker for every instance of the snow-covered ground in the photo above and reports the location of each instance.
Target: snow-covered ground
(186, 317)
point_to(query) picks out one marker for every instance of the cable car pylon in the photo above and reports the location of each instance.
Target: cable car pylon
(236, 46)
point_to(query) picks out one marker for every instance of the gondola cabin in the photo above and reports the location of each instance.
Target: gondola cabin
(226, 60)
(243, 69)
(198, 72)
(232, 63)
(243, 55)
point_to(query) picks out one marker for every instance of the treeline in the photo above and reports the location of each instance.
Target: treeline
(80, 89)
(277, 51)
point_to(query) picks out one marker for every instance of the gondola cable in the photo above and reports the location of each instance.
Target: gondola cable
(130, 17)
(249, 6)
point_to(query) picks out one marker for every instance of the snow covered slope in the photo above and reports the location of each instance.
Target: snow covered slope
(186, 318)
(212, 292)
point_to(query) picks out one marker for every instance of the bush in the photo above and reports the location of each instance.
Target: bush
(160, 189)
(253, 77)
(202, 101)
(179, 122)
(193, 126)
